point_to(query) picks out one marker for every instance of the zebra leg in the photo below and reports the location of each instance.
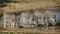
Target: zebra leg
(30, 20)
(42, 22)
(35, 23)
(5, 24)
(24, 20)
(13, 25)
(46, 23)
(53, 22)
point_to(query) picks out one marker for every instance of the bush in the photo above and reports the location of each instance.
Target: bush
(2, 1)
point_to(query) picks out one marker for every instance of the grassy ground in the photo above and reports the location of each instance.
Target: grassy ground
(50, 30)
(30, 32)
(1, 26)
(31, 4)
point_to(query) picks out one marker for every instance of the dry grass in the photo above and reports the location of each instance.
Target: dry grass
(28, 31)
(1, 26)
(32, 32)
(12, 7)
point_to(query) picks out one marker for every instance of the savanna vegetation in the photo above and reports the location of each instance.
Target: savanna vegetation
(31, 30)
(12, 5)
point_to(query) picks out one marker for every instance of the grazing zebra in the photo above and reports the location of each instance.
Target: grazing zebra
(52, 16)
(11, 19)
(29, 15)
(39, 15)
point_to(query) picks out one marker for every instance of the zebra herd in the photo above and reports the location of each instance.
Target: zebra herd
(32, 15)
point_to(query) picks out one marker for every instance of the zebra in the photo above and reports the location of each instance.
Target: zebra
(11, 19)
